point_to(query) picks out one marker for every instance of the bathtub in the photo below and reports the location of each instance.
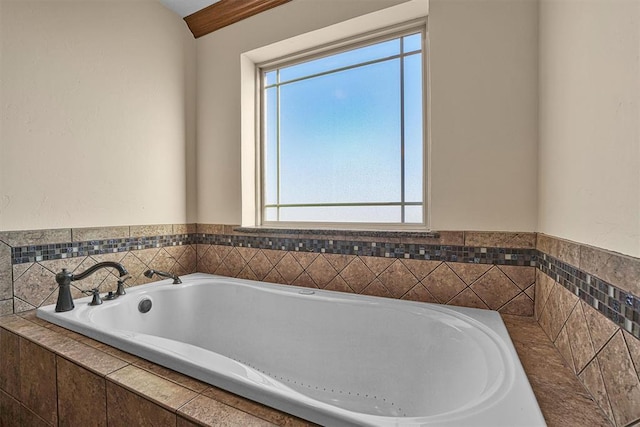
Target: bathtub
(331, 358)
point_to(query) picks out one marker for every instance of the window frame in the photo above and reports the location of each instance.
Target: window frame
(336, 47)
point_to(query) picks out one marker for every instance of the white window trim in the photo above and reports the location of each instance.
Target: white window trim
(392, 19)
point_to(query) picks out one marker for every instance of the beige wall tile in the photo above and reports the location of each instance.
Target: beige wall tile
(564, 250)
(497, 239)
(591, 377)
(151, 230)
(320, 270)
(397, 279)
(99, 233)
(6, 307)
(35, 237)
(184, 228)
(468, 298)
(521, 305)
(376, 289)
(357, 275)
(621, 380)
(454, 238)
(495, 288)
(6, 273)
(523, 277)
(601, 329)
(579, 338)
(35, 285)
(468, 272)
(420, 294)
(619, 270)
(209, 228)
(443, 283)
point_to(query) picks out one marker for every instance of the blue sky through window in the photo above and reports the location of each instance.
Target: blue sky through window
(336, 129)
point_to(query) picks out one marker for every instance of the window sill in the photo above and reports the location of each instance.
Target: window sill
(337, 231)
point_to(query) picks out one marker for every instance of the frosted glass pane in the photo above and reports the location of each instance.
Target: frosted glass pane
(413, 132)
(340, 137)
(412, 42)
(345, 59)
(271, 214)
(383, 214)
(271, 146)
(413, 214)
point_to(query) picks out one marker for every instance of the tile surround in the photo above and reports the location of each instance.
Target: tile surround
(586, 299)
(585, 306)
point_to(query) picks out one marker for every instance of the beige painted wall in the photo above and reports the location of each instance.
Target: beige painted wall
(484, 114)
(589, 156)
(98, 114)
(484, 106)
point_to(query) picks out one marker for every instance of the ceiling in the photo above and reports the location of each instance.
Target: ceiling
(187, 7)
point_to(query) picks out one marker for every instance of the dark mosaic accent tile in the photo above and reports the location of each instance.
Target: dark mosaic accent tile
(619, 306)
(28, 254)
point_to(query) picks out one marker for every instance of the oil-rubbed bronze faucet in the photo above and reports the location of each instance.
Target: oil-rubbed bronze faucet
(64, 279)
(176, 279)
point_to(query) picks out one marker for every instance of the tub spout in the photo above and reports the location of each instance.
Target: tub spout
(150, 273)
(64, 279)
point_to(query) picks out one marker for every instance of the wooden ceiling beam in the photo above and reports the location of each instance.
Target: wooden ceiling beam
(226, 12)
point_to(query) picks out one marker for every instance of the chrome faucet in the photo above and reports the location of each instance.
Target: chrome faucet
(150, 273)
(64, 279)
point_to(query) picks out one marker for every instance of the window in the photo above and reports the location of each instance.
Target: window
(342, 136)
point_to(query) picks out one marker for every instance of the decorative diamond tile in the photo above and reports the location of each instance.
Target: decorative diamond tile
(579, 338)
(304, 280)
(274, 277)
(600, 328)
(260, 265)
(443, 283)
(247, 274)
(544, 285)
(562, 344)
(93, 281)
(337, 284)
(273, 256)
(469, 273)
(591, 377)
(523, 277)
(419, 293)
(322, 272)
(247, 253)
(338, 262)
(234, 262)
(56, 266)
(633, 344)
(495, 288)
(135, 267)
(521, 305)
(376, 264)
(289, 268)
(35, 285)
(397, 279)
(188, 260)
(304, 258)
(620, 380)
(162, 261)
(357, 275)
(420, 268)
(19, 306)
(531, 292)
(146, 255)
(223, 270)
(19, 269)
(468, 298)
(201, 250)
(176, 251)
(376, 289)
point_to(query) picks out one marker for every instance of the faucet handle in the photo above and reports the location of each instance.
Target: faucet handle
(120, 290)
(95, 292)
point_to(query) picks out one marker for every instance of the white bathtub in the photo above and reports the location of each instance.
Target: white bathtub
(332, 358)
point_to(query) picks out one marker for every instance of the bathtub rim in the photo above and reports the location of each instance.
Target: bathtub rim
(490, 323)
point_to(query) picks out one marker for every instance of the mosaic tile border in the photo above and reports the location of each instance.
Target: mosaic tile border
(451, 253)
(622, 308)
(37, 253)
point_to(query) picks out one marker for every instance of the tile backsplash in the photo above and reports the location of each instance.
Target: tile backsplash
(585, 299)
